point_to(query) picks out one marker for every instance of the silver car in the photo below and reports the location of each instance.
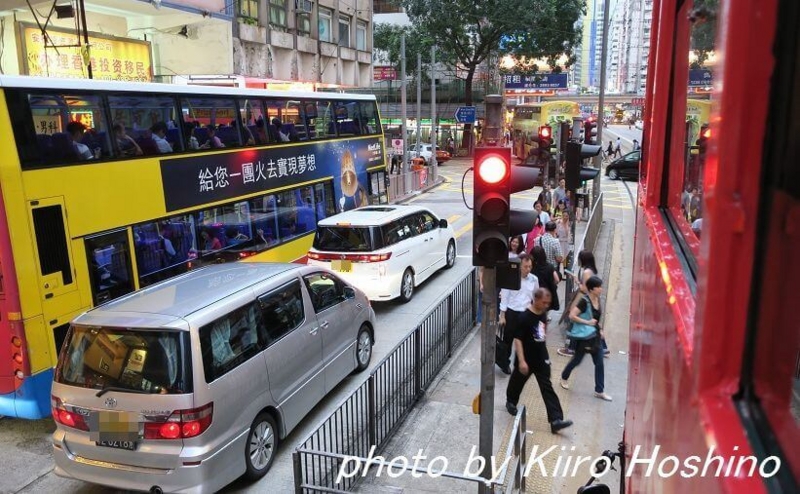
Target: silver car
(191, 383)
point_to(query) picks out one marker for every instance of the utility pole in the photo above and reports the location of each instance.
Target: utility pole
(434, 165)
(419, 100)
(403, 113)
(601, 104)
(86, 54)
(494, 120)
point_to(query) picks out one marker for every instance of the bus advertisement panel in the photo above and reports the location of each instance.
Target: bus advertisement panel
(110, 187)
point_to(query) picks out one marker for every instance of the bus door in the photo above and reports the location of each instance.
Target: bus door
(109, 259)
(54, 262)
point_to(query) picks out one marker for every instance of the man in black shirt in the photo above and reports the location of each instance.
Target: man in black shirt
(532, 357)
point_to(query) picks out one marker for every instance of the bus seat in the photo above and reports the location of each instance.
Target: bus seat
(201, 133)
(148, 145)
(229, 136)
(63, 150)
(173, 136)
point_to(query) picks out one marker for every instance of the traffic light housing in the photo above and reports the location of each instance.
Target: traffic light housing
(589, 131)
(493, 220)
(576, 173)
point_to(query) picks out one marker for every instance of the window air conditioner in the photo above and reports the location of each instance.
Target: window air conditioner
(303, 6)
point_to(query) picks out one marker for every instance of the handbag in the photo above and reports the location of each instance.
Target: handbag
(502, 350)
(591, 345)
(580, 331)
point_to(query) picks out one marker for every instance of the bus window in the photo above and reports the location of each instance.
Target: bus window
(109, 258)
(369, 117)
(212, 119)
(348, 118)
(70, 128)
(321, 120)
(251, 113)
(324, 200)
(225, 227)
(133, 116)
(164, 248)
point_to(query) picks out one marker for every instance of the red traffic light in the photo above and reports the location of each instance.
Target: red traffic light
(545, 132)
(706, 132)
(493, 169)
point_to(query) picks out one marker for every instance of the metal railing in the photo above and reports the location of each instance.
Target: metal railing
(407, 183)
(373, 412)
(588, 240)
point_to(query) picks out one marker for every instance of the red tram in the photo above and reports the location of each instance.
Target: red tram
(715, 326)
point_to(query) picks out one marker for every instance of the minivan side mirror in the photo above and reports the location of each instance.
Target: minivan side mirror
(442, 223)
(349, 293)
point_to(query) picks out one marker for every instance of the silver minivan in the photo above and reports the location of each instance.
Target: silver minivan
(191, 383)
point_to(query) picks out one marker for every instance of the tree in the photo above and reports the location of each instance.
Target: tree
(386, 40)
(467, 32)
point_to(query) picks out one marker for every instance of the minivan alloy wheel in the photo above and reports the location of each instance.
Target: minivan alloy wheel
(450, 255)
(261, 445)
(363, 349)
(407, 286)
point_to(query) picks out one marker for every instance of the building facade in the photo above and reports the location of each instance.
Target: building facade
(244, 42)
(629, 44)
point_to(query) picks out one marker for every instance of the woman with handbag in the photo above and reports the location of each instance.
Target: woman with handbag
(586, 332)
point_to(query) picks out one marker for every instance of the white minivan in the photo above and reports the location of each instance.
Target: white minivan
(384, 250)
(192, 382)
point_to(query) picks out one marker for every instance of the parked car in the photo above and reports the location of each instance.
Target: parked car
(386, 251)
(426, 154)
(626, 166)
(193, 382)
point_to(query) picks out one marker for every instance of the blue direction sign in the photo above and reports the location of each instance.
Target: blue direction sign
(466, 114)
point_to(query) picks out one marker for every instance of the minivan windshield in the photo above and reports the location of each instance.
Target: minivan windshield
(344, 239)
(138, 360)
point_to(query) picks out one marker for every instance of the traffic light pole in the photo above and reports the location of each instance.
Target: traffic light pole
(488, 332)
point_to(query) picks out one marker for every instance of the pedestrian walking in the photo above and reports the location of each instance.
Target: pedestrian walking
(532, 358)
(546, 274)
(618, 148)
(512, 304)
(586, 269)
(546, 199)
(586, 330)
(636, 145)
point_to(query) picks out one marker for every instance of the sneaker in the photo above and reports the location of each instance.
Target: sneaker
(603, 396)
(565, 384)
(512, 408)
(557, 425)
(565, 352)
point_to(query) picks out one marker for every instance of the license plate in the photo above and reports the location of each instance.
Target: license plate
(129, 445)
(342, 265)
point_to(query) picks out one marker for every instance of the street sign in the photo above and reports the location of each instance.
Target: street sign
(536, 81)
(465, 114)
(397, 146)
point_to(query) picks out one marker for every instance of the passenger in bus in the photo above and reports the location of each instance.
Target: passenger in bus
(213, 141)
(75, 130)
(279, 135)
(126, 144)
(159, 131)
(210, 241)
(247, 136)
(261, 132)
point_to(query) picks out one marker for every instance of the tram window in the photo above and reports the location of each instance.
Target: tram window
(134, 116)
(209, 123)
(690, 137)
(164, 248)
(70, 128)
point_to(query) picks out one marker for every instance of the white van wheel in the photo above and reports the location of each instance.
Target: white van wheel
(407, 286)
(262, 442)
(450, 256)
(363, 348)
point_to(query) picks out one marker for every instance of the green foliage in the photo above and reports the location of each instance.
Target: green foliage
(467, 32)
(386, 38)
(704, 24)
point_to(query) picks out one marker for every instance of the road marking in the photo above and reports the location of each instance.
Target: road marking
(464, 229)
(453, 218)
(616, 206)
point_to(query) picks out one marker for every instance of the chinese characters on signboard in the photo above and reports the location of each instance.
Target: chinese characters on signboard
(538, 81)
(111, 59)
(196, 180)
(385, 73)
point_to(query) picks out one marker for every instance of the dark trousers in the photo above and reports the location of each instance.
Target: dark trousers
(597, 358)
(509, 330)
(539, 367)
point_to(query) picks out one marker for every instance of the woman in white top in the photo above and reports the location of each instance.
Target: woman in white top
(516, 246)
(563, 230)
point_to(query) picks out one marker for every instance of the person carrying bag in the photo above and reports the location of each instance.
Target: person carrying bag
(586, 332)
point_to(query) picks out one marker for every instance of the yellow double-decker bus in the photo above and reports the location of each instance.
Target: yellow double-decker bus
(108, 187)
(527, 118)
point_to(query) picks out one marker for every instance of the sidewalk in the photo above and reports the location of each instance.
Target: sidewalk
(443, 424)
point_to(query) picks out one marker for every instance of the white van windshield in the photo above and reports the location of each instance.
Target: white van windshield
(126, 359)
(344, 239)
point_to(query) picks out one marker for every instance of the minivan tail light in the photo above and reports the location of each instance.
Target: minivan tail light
(181, 424)
(350, 257)
(68, 418)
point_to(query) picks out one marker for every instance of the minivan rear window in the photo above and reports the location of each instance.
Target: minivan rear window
(126, 359)
(345, 239)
